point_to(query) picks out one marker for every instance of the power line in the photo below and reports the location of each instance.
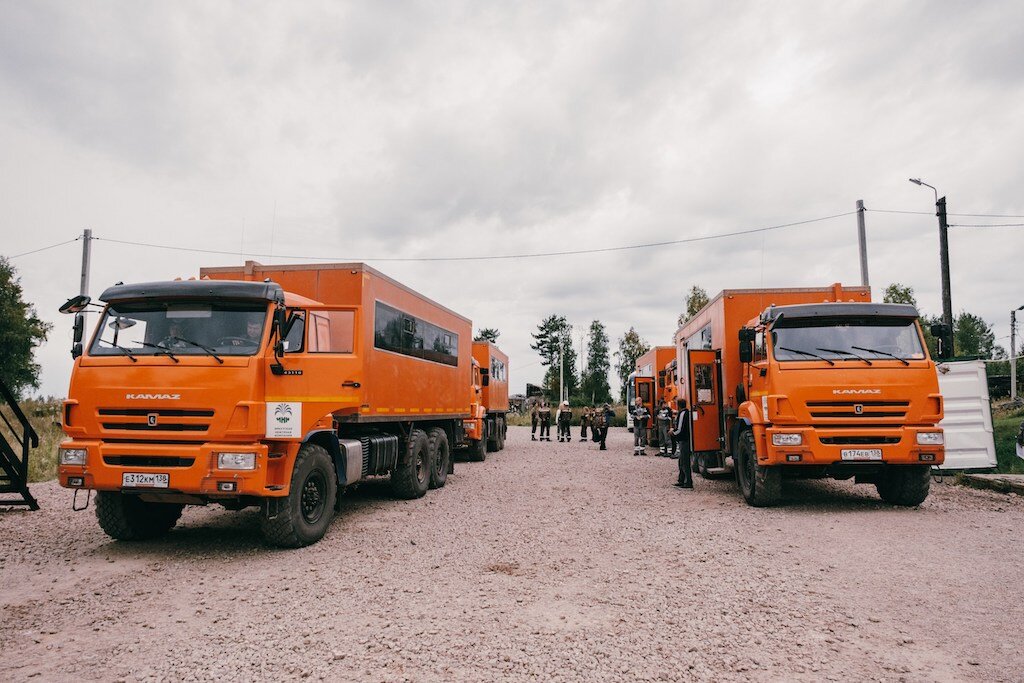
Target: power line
(648, 245)
(986, 225)
(52, 246)
(965, 215)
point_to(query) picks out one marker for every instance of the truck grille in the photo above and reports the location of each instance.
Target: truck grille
(156, 419)
(859, 440)
(147, 461)
(858, 409)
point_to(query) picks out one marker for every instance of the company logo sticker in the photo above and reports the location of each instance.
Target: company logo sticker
(284, 420)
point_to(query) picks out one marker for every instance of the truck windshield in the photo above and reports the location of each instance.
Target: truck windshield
(147, 328)
(849, 339)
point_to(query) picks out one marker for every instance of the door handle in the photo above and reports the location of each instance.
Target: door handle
(350, 383)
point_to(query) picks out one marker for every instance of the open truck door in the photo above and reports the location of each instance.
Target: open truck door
(705, 373)
(644, 390)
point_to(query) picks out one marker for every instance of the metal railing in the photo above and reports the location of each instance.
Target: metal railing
(15, 443)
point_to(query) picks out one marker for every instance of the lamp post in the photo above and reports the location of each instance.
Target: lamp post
(1013, 352)
(940, 211)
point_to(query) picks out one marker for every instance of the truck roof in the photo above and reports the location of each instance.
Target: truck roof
(836, 310)
(195, 289)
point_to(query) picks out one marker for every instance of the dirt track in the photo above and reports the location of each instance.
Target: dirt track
(547, 562)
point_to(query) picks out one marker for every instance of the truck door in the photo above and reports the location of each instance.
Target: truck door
(705, 373)
(645, 391)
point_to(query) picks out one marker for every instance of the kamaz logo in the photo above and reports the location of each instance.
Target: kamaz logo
(152, 397)
(856, 391)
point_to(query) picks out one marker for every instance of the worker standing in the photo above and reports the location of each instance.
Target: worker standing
(534, 417)
(586, 416)
(641, 416)
(602, 420)
(563, 420)
(544, 414)
(681, 433)
(664, 418)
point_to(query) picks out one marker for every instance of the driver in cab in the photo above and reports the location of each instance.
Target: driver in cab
(253, 332)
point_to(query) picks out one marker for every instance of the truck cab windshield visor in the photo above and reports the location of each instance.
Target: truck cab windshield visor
(186, 328)
(849, 339)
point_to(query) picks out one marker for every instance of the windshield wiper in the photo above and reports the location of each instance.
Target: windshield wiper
(121, 349)
(882, 353)
(162, 351)
(806, 353)
(196, 344)
(845, 353)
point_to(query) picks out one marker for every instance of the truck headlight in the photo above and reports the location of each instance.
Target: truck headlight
(73, 456)
(930, 439)
(236, 461)
(787, 439)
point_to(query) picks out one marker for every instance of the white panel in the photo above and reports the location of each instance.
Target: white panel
(967, 421)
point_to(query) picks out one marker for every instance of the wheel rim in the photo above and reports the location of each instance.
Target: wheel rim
(314, 497)
(422, 466)
(441, 464)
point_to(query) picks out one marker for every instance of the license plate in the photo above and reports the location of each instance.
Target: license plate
(861, 453)
(141, 480)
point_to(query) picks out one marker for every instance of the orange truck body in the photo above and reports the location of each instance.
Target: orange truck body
(367, 368)
(490, 399)
(845, 416)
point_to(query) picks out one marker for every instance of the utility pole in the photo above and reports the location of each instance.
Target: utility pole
(1013, 353)
(862, 239)
(86, 260)
(561, 370)
(947, 303)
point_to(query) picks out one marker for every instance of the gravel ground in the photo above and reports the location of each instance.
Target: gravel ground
(546, 562)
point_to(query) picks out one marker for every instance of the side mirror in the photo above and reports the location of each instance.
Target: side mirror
(485, 377)
(943, 341)
(76, 349)
(747, 334)
(746, 339)
(280, 321)
(75, 304)
(79, 328)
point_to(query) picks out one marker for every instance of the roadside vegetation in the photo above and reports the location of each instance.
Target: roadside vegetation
(1006, 423)
(44, 415)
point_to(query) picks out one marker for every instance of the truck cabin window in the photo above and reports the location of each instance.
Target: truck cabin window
(331, 332)
(148, 328)
(847, 339)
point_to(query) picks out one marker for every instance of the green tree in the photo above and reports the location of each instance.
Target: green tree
(631, 347)
(21, 331)
(490, 334)
(554, 335)
(594, 387)
(897, 293)
(696, 299)
(972, 336)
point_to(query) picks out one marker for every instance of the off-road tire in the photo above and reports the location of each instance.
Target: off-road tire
(478, 450)
(411, 476)
(492, 437)
(127, 517)
(906, 485)
(303, 516)
(761, 486)
(502, 431)
(440, 456)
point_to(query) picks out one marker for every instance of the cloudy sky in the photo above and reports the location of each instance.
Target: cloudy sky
(374, 130)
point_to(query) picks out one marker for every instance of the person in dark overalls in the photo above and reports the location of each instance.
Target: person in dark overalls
(544, 414)
(681, 434)
(664, 419)
(564, 419)
(585, 417)
(533, 422)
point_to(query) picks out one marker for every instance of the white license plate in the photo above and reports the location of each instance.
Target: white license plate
(861, 453)
(141, 480)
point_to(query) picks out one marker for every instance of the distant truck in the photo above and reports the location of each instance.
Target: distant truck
(811, 383)
(650, 386)
(268, 386)
(487, 428)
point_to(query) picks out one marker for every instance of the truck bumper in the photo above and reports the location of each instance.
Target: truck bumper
(190, 468)
(892, 446)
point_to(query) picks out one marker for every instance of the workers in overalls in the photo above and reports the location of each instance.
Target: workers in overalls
(544, 415)
(585, 418)
(533, 421)
(563, 419)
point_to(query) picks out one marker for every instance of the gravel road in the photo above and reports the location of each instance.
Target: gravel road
(547, 562)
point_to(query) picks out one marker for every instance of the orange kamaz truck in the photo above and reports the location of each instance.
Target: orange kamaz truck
(486, 429)
(811, 383)
(268, 386)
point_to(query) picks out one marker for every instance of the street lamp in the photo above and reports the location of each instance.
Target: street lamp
(940, 211)
(1013, 352)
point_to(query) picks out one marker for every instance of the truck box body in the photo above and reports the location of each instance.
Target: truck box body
(495, 392)
(395, 383)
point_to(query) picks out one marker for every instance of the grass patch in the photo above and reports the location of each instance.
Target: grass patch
(1005, 432)
(44, 415)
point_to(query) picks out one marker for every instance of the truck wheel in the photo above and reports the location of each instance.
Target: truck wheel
(761, 486)
(411, 476)
(478, 450)
(126, 517)
(904, 485)
(305, 513)
(440, 457)
(502, 430)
